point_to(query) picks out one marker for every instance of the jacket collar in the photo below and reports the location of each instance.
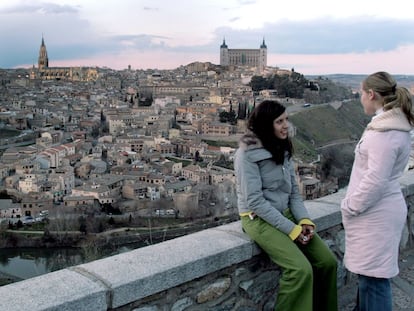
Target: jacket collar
(393, 119)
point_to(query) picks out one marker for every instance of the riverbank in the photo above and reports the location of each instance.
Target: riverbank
(6, 279)
(88, 247)
(113, 237)
(39, 239)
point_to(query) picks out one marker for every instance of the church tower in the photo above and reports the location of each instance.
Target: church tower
(224, 54)
(43, 61)
(263, 56)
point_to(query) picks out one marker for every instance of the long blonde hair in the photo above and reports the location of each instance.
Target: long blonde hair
(393, 96)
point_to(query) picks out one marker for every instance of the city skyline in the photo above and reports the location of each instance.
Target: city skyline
(318, 37)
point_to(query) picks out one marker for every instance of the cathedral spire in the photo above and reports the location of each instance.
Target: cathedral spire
(43, 61)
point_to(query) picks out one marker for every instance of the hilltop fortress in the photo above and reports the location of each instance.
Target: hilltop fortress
(244, 57)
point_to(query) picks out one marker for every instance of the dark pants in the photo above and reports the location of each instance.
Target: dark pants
(374, 294)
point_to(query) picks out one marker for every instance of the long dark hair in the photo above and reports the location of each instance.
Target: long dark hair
(261, 124)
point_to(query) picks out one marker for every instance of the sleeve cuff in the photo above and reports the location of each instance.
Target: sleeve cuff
(306, 221)
(295, 232)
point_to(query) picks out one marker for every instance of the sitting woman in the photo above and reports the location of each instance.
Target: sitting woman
(274, 216)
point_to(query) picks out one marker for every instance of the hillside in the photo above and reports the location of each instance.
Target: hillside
(325, 124)
(331, 134)
(354, 80)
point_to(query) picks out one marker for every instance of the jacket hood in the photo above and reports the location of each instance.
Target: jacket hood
(393, 119)
(254, 147)
(250, 141)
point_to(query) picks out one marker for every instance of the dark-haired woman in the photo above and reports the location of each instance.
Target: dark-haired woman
(274, 216)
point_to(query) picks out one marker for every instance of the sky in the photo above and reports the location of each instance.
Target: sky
(312, 37)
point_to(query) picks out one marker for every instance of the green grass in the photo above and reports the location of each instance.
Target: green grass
(322, 125)
(221, 143)
(304, 150)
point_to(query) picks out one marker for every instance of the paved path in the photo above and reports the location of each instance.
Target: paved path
(402, 287)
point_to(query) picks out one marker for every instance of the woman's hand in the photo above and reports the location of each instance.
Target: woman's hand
(306, 235)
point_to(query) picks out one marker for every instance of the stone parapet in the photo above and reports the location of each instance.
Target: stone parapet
(214, 269)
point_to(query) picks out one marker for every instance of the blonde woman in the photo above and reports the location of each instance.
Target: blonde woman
(374, 209)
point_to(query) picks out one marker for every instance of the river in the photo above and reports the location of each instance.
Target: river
(24, 263)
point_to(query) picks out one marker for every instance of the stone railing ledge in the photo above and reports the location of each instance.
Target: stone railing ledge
(326, 211)
(148, 270)
(118, 280)
(63, 290)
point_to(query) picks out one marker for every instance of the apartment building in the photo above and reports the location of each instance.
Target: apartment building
(196, 174)
(216, 128)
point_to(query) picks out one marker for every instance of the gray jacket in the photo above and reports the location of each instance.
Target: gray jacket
(265, 188)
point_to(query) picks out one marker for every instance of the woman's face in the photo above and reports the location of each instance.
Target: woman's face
(281, 126)
(367, 101)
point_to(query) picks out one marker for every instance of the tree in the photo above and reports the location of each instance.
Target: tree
(337, 162)
(82, 225)
(291, 85)
(197, 157)
(223, 162)
(229, 117)
(242, 111)
(111, 221)
(95, 132)
(259, 83)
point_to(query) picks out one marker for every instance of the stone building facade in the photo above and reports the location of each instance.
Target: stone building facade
(244, 57)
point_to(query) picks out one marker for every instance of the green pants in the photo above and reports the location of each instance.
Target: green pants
(308, 281)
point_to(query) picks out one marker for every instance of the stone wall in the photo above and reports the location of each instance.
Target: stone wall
(214, 269)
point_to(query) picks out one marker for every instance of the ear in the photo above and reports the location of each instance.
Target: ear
(371, 94)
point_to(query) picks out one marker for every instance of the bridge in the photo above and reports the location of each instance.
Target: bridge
(215, 269)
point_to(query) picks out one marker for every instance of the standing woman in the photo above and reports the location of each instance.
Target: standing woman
(374, 209)
(274, 216)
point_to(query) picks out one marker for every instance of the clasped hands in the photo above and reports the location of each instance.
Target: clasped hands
(306, 235)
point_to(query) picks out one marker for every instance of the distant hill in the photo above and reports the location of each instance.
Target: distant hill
(354, 81)
(331, 133)
(324, 124)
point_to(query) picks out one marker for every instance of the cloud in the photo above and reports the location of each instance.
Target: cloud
(72, 32)
(326, 36)
(234, 19)
(394, 61)
(141, 41)
(146, 8)
(42, 7)
(23, 26)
